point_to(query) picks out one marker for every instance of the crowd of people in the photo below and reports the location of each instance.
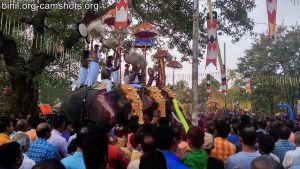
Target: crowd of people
(232, 142)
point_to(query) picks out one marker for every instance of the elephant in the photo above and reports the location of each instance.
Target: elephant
(101, 106)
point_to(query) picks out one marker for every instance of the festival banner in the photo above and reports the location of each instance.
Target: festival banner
(211, 39)
(224, 81)
(208, 82)
(248, 87)
(272, 9)
(121, 21)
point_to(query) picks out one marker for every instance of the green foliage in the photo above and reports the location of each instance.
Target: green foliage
(275, 68)
(51, 89)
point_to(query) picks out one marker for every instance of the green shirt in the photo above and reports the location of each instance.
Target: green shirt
(196, 159)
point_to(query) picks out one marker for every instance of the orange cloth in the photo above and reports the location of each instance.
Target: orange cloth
(4, 139)
(223, 149)
(32, 134)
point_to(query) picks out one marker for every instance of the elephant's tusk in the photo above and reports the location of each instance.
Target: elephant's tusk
(173, 114)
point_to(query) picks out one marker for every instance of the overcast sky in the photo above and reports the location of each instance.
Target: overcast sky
(287, 13)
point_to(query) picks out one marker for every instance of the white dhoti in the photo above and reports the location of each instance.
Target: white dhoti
(93, 73)
(116, 77)
(83, 72)
(126, 79)
(108, 84)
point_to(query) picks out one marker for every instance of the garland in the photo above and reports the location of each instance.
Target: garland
(155, 94)
(136, 102)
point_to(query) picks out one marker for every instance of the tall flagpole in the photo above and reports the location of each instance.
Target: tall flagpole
(195, 56)
(225, 104)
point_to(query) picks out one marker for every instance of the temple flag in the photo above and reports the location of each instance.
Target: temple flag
(121, 21)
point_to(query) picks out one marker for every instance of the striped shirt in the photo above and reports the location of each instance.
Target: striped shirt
(223, 149)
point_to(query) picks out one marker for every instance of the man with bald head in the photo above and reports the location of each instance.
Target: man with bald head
(265, 162)
(40, 149)
(292, 157)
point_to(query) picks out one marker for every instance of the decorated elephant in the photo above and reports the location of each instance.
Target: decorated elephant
(100, 106)
(123, 101)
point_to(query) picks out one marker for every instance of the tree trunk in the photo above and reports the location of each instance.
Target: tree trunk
(25, 95)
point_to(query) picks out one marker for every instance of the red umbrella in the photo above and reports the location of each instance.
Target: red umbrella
(110, 16)
(160, 55)
(176, 65)
(145, 30)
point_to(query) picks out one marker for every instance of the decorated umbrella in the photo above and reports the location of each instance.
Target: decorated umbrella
(176, 65)
(160, 55)
(145, 33)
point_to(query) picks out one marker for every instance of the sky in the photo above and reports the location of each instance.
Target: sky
(287, 13)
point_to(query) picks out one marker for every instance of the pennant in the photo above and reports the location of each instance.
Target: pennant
(272, 9)
(248, 87)
(121, 21)
(212, 28)
(224, 81)
(208, 85)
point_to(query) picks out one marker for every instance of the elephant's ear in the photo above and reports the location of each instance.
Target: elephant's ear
(106, 100)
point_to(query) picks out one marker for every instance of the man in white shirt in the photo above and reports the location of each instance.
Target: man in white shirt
(24, 141)
(292, 157)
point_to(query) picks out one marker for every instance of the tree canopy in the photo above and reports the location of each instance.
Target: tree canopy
(274, 66)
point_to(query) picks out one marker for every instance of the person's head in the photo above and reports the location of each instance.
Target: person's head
(262, 124)
(164, 137)
(110, 59)
(49, 164)
(133, 126)
(223, 129)
(297, 138)
(148, 143)
(6, 125)
(58, 123)
(195, 137)
(211, 128)
(34, 122)
(266, 144)
(245, 120)
(86, 54)
(11, 155)
(284, 132)
(248, 136)
(265, 162)
(43, 131)
(154, 159)
(95, 150)
(96, 47)
(23, 140)
(83, 133)
(22, 125)
(136, 140)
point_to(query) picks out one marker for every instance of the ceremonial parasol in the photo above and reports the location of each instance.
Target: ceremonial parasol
(176, 65)
(145, 30)
(145, 33)
(160, 55)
